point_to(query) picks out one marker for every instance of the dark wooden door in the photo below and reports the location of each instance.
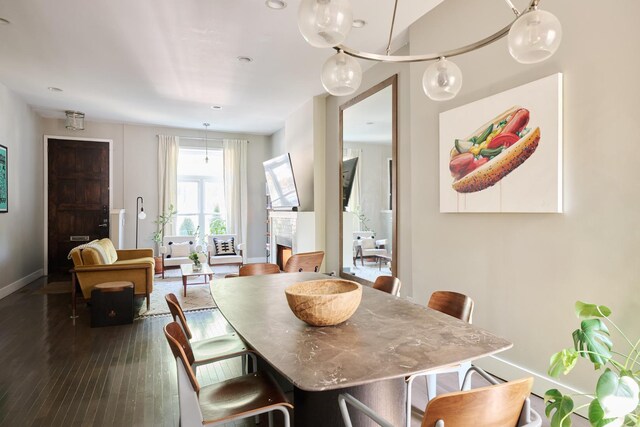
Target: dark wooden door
(78, 206)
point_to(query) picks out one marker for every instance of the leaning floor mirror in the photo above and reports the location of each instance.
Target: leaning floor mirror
(368, 141)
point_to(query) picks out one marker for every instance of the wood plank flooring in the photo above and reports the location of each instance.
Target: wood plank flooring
(53, 373)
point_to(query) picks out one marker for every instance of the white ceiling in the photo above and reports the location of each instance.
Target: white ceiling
(370, 120)
(165, 62)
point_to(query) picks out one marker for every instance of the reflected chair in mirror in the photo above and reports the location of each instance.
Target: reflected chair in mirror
(307, 262)
(259, 269)
(214, 349)
(456, 305)
(222, 402)
(505, 404)
(388, 284)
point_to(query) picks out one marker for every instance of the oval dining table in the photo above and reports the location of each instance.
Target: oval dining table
(368, 356)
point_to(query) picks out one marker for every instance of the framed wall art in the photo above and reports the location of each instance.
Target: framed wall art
(4, 179)
(503, 153)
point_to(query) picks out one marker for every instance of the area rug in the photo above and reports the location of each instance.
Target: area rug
(198, 295)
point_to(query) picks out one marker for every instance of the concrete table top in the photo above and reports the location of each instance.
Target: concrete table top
(387, 337)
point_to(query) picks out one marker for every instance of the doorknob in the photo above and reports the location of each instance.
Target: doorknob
(103, 225)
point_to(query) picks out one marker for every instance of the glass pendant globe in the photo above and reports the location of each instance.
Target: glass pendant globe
(442, 80)
(534, 37)
(142, 215)
(325, 23)
(341, 75)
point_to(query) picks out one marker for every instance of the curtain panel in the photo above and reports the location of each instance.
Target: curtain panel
(168, 151)
(235, 186)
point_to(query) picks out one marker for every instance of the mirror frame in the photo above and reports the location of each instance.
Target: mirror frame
(393, 82)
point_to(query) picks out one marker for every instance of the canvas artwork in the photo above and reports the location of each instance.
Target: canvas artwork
(4, 177)
(503, 153)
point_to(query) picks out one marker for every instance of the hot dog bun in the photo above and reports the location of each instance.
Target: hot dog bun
(500, 166)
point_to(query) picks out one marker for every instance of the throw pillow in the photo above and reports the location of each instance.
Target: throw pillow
(180, 249)
(224, 246)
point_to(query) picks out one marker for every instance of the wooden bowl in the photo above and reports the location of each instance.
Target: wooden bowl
(324, 302)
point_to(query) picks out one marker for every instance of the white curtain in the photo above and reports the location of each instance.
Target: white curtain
(168, 150)
(235, 186)
(354, 200)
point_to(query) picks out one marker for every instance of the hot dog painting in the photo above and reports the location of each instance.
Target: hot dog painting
(493, 151)
(503, 153)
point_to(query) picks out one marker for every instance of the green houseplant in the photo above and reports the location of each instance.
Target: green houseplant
(163, 219)
(616, 397)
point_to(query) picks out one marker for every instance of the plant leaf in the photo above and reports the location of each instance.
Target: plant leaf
(562, 405)
(562, 362)
(618, 396)
(592, 341)
(597, 416)
(584, 310)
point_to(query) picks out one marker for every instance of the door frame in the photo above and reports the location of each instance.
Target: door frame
(46, 186)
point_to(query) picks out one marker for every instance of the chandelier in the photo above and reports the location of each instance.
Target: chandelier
(534, 35)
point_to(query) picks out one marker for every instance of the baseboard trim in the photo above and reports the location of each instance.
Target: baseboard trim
(18, 284)
(508, 371)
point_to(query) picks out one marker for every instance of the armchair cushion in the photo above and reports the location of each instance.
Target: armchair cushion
(224, 247)
(180, 249)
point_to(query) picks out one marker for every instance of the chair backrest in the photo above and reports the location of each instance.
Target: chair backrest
(259, 268)
(177, 313)
(497, 405)
(388, 284)
(308, 261)
(181, 349)
(452, 303)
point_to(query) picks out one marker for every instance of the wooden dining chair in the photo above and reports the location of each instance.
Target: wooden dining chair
(258, 269)
(308, 261)
(213, 349)
(498, 405)
(226, 401)
(388, 284)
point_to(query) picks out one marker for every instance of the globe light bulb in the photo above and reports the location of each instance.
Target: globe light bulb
(142, 215)
(325, 23)
(534, 37)
(341, 75)
(442, 80)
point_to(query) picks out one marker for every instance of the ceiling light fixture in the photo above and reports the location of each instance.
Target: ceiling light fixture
(245, 59)
(534, 35)
(275, 4)
(75, 120)
(4, 21)
(54, 89)
(206, 144)
(358, 23)
(216, 107)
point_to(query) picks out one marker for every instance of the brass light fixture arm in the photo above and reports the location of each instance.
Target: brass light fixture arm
(533, 4)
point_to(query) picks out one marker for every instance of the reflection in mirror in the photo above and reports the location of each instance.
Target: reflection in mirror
(368, 184)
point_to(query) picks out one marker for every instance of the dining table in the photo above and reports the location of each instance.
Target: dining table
(369, 356)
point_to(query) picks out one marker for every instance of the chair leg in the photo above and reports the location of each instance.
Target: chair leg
(431, 386)
(462, 371)
(270, 415)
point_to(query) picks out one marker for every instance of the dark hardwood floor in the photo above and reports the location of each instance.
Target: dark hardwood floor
(53, 373)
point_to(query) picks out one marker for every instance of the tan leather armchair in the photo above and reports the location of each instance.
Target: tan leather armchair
(99, 262)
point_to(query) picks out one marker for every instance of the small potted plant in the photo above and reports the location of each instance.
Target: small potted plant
(163, 219)
(616, 397)
(197, 265)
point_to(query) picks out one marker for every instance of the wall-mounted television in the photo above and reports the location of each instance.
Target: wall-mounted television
(348, 176)
(281, 182)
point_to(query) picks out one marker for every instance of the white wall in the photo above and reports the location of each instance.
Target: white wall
(135, 169)
(21, 229)
(525, 271)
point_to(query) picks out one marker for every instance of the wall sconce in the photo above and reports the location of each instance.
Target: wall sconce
(74, 120)
(140, 214)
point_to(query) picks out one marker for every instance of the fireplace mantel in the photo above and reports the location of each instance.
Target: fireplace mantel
(295, 230)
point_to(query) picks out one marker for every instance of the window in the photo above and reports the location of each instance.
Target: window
(200, 192)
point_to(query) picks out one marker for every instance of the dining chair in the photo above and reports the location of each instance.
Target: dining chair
(498, 405)
(308, 261)
(456, 305)
(222, 402)
(388, 284)
(258, 269)
(213, 349)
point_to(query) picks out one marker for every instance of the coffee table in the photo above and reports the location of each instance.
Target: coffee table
(382, 258)
(187, 271)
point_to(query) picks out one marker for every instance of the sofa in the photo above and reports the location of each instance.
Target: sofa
(99, 262)
(175, 251)
(224, 250)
